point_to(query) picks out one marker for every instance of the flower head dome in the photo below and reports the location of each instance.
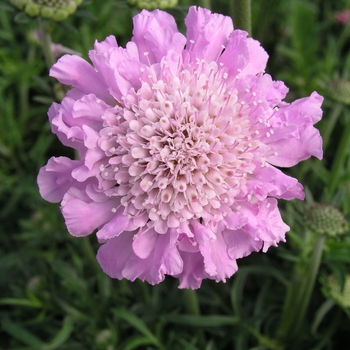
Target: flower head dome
(177, 140)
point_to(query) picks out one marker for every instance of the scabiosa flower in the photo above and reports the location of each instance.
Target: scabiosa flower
(178, 138)
(342, 17)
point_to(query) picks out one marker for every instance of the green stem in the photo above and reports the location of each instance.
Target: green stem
(299, 294)
(242, 15)
(46, 43)
(191, 301)
(192, 307)
(339, 160)
(89, 252)
(331, 122)
(311, 276)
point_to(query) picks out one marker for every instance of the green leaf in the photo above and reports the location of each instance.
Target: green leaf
(138, 324)
(21, 302)
(20, 333)
(135, 343)
(202, 321)
(62, 336)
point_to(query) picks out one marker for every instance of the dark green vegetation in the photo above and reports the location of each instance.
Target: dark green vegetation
(53, 294)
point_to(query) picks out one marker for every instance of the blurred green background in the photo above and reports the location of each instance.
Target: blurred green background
(53, 294)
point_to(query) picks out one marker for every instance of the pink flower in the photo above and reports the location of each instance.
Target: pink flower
(178, 138)
(343, 17)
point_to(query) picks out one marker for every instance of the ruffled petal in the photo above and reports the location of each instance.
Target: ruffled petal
(266, 225)
(240, 243)
(114, 227)
(55, 178)
(114, 254)
(257, 58)
(119, 67)
(236, 54)
(207, 33)
(295, 139)
(164, 259)
(155, 33)
(118, 260)
(144, 243)
(74, 70)
(217, 263)
(82, 218)
(105, 45)
(269, 181)
(289, 152)
(193, 270)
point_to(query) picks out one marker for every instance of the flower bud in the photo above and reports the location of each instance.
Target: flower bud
(340, 91)
(56, 10)
(104, 339)
(47, 12)
(32, 10)
(326, 219)
(153, 4)
(332, 289)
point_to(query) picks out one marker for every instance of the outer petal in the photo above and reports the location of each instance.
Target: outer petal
(114, 227)
(106, 44)
(75, 71)
(155, 33)
(165, 259)
(217, 263)
(240, 243)
(118, 260)
(55, 178)
(257, 58)
(114, 254)
(119, 67)
(266, 225)
(70, 117)
(269, 181)
(289, 147)
(193, 270)
(82, 217)
(243, 56)
(235, 220)
(236, 54)
(207, 33)
(58, 126)
(144, 243)
(287, 153)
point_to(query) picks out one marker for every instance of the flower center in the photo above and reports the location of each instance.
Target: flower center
(181, 147)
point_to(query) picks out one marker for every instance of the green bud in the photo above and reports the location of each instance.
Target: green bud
(332, 290)
(103, 339)
(47, 12)
(71, 8)
(60, 15)
(33, 37)
(153, 4)
(32, 10)
(164, 4)
(325, 219)
(56, 10)
(340, 91)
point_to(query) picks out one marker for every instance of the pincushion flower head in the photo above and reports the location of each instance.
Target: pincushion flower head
(178, 138)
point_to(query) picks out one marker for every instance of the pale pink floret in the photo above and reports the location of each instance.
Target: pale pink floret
(177, 140)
